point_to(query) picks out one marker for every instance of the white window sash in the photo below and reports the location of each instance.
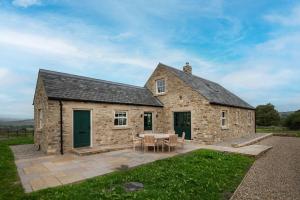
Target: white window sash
(160, 86)
(224, 119)
(121, 117)
(40, 117)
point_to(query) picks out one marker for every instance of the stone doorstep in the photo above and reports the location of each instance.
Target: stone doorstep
(256, 152)
(251, 151)
(253, 141)
(95, 150)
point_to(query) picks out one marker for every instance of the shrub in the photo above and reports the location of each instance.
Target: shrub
(293, 121)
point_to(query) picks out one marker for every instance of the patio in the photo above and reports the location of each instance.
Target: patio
(38, 171)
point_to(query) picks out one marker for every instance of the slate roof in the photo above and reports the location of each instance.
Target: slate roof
(72, 87)
(213, 92)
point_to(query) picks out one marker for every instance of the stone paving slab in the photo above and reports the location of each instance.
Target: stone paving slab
(49, 171)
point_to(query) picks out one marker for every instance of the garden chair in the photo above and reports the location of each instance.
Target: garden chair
(136, 141)
(172, 142)
(159, 142)
(149, 141)
(181, 140)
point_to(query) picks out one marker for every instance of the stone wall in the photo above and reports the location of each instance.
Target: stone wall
(205, 117)
(40, 102)
(103, 130)
(47, 136)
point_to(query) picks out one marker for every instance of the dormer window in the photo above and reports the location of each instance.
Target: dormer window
(160, 86)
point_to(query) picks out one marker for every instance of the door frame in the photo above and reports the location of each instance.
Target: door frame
(172, 123)
(152, 115)
(91, 126)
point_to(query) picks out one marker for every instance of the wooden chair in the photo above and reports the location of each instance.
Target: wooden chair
(159, 142)
(136, 141)
(149, 141)
(172, 142)
(182, 139)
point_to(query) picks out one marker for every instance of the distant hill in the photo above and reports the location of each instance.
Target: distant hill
(285, 114)
(11, 122)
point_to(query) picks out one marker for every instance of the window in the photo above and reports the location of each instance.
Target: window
(237, 117)
(147, 121)
(120, 118)
(249, 118)
(224, 119)
(40, 118)
(160, 86)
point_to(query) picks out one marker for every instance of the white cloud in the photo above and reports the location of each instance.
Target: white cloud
(290, 19)
(26, 3)
(38, 43)
(8, 78)
(258, 78)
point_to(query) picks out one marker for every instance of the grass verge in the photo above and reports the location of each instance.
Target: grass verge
(201, 174)
(278, 131)
(10, 186)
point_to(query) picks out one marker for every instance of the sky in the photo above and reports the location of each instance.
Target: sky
(252, 48)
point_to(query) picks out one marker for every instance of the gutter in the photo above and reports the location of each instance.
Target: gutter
(61, 129)
(104, 102)
(221, 104)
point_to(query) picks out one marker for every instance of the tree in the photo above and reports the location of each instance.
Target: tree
(267, 115)
(293, 121)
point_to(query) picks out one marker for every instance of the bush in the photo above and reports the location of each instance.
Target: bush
(267, 115)
(293, 121)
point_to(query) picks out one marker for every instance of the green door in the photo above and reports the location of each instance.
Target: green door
(182, 123)
(82, 128)
(147, 121)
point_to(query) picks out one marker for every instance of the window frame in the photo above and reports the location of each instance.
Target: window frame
(225, 118)
(40, 118)
(157, 86)
(249, 118)
(146, 114)
(237, 117)
(120, 117)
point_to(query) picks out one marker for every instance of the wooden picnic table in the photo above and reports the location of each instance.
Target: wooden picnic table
(156, 135)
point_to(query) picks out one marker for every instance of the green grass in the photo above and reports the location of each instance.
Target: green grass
(10, 186)
(4, 135)
(201, 174)
(278, 131)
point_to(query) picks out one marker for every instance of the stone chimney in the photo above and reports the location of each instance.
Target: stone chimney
(187, 68)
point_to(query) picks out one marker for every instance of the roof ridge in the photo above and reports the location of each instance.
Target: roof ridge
(164, 65)
(88, 78)
(216, 87)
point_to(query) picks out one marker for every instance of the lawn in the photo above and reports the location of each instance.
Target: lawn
(278, 131)
(10, 187)
(201, 174)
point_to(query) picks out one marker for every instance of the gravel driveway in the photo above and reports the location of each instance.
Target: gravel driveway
(276, 175)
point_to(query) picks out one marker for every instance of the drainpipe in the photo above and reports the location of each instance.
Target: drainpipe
(61, 129)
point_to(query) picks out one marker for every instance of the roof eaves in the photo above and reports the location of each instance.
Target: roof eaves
(234, 106)
(106, 102)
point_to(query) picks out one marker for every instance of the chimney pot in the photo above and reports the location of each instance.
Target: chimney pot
(187, 68)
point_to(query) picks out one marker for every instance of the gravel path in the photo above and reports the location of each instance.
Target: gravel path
(276, 175)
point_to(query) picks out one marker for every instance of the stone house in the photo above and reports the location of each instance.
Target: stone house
(73, 111)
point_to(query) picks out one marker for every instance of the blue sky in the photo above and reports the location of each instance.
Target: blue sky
(250, 47)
